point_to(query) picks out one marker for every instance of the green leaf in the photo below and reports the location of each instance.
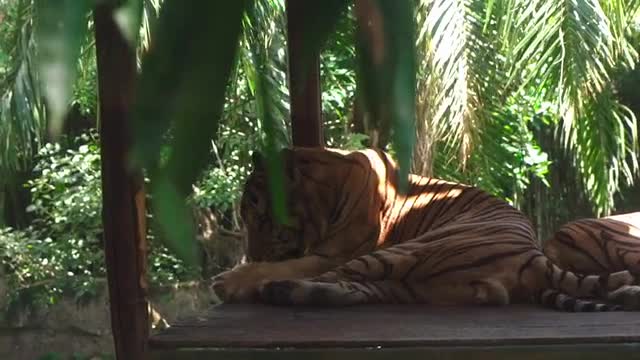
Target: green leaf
(174, 219)
(263, 92)
(386, 43)
(61, 28)
(182, 87)
(129, 17)
(314, 22)
(487, 18)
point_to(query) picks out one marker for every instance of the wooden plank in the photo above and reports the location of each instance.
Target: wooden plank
(123, 202)
(263, 327)
(304, 84)
(536, 352)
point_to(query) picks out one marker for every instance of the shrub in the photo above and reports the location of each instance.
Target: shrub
(61, 252)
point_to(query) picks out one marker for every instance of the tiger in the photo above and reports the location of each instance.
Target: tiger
(353, 237)
(597, 246)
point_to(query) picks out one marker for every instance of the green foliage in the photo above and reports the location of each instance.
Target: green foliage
(66, 192)
(61, 29)
(40, 269)
(221, 185)
(387, 72)
(183, 80)
(61, 252)
(256, 23)
(23, 112)
(477, 55)
(85, 90)
(338, 84)
(242, 125)
(512, 140)
(573, 49)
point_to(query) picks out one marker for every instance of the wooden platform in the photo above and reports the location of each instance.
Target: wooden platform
(412, 332)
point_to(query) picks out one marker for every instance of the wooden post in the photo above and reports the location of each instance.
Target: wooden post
(123, 202)
(304, 87)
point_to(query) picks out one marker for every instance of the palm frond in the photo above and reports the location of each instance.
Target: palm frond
(263, 62)
(442, 89)
(22, 113)
(461, 76)
(150, 13)
(606, 145)
(574, 48)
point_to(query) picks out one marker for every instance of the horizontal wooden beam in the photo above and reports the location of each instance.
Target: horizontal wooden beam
(402, 331)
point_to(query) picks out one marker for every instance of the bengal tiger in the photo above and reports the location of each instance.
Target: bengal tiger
(597, 246)
(353, 238)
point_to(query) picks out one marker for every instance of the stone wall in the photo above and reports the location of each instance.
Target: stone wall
(68, 330)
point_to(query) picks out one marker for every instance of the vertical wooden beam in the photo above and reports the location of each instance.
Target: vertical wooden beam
(123, 201)
(304, 86)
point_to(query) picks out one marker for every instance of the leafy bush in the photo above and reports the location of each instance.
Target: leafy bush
(66, 192)
(221, 184)
(61, 252)
(39, 269)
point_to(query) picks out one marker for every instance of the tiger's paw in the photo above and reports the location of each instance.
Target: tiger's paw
(308, 292)
(240, 284)
(281, 292)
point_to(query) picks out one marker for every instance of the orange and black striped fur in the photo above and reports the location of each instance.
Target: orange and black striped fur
(353, 238)
(598, 246)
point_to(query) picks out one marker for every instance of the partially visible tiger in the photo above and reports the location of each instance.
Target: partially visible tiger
(354, 239)
(597, 246)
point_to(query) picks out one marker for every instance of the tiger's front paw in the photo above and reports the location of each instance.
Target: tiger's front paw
(309, 292)
(240, 284)
(282, 292)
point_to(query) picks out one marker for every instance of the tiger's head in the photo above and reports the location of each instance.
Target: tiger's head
(314, 181)
(267, 240)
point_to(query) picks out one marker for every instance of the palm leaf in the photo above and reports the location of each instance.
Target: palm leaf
(575, 47)
(61, 29)
(264, 77)
(386, 72)
(182, 88)
(461, 75)
(22, 113)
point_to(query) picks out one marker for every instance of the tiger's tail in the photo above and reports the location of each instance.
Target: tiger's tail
(561, 301)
